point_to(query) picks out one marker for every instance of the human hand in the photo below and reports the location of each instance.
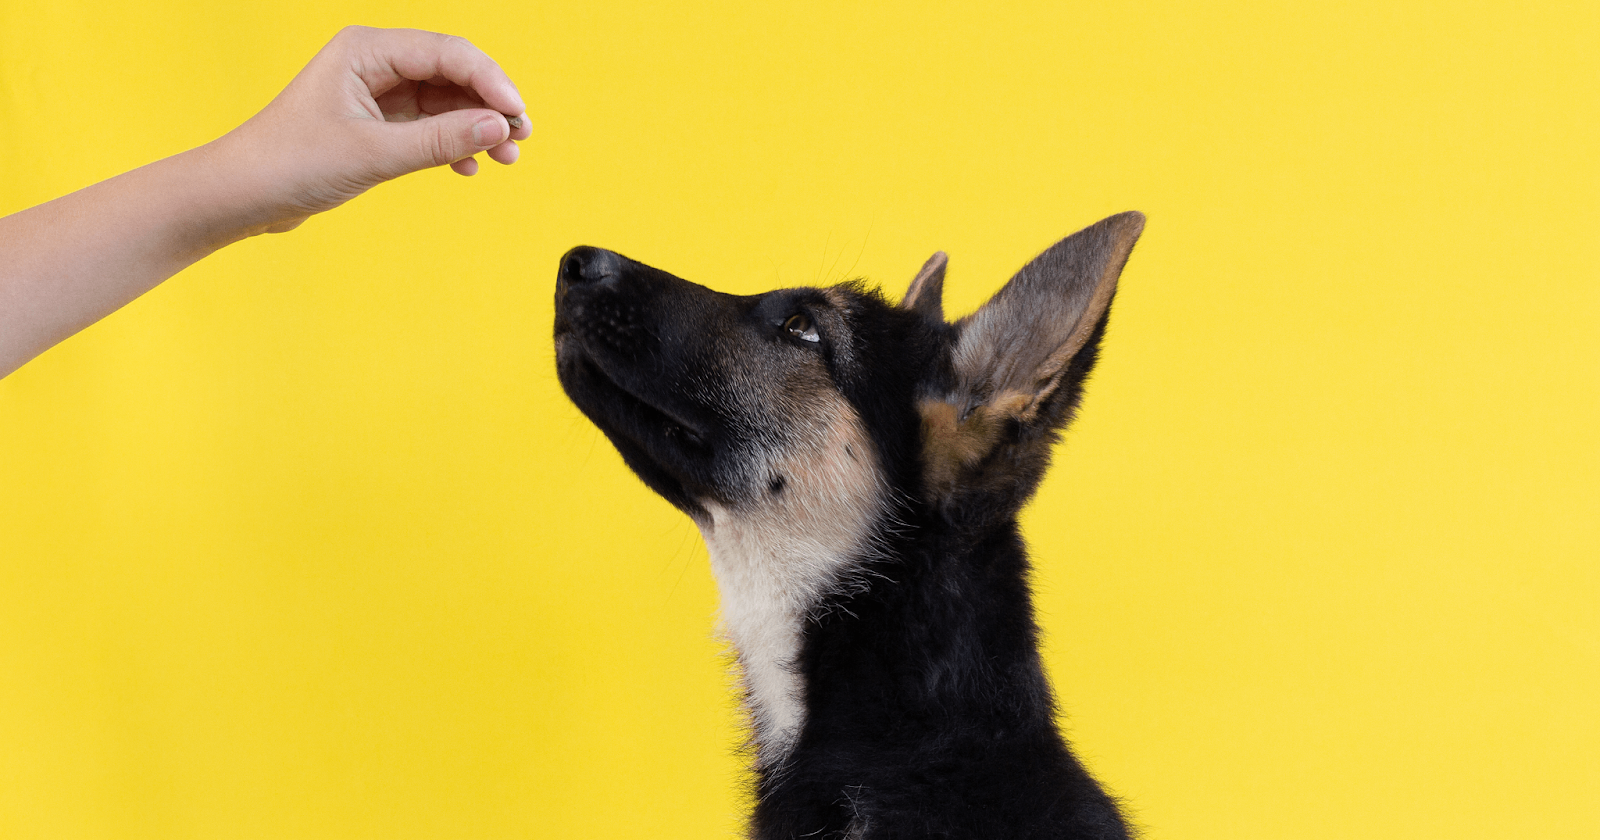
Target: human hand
(373, 105)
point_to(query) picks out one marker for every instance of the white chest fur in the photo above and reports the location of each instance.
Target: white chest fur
(776, 558)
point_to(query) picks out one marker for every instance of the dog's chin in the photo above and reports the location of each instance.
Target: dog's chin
(669, 456)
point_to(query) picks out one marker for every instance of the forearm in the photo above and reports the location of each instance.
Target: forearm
(372, 105)
(74, 260)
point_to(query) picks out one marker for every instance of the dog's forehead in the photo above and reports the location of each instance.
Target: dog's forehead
(839, 296)
(833, 311)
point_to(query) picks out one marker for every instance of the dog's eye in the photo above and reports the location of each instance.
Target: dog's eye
(800, 327)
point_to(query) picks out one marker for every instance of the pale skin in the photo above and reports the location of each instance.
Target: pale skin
(373, 105)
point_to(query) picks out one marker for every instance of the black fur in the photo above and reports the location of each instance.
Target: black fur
(929, 713)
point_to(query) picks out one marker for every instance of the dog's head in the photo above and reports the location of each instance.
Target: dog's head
(811, 403)
(808, 431)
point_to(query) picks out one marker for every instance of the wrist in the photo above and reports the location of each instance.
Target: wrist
(225, 194)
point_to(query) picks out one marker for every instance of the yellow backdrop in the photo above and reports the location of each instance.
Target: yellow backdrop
(307, 543)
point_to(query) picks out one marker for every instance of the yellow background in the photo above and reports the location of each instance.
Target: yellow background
(307, 542)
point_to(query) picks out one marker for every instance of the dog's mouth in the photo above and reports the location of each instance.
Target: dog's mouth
(631, 370)
(668, 452)
(648, 414)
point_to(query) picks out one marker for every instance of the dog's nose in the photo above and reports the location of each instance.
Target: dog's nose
(584, 264)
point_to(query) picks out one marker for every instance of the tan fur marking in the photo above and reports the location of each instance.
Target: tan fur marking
(774, 557)
(950, 445)
(1018, 404)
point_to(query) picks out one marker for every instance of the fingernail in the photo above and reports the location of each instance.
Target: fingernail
(489, 131)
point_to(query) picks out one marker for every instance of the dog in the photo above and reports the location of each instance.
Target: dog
(856, 468)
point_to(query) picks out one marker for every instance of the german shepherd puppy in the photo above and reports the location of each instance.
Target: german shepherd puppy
(856, 468)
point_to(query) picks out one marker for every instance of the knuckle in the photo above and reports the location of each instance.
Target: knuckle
(453, 42)
(439, 148)
(463, 48)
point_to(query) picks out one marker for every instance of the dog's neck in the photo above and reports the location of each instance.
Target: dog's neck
(934, 666)
(946, 631)
(780, 556)
(911, 634)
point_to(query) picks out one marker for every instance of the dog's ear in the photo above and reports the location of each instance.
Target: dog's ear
(1012, 357)
(927, 290)
(1012, 352)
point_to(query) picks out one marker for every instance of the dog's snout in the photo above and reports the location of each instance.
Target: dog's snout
(588, 265)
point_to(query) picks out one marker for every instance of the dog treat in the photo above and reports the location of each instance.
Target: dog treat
(516, 122)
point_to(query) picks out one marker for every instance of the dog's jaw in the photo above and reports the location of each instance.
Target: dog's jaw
(775, 560)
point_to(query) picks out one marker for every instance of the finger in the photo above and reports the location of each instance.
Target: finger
(505, 153)
(438, 140)
(523, 129)
(286, 226)
(466, 166)
(419, 56)
(438, 100)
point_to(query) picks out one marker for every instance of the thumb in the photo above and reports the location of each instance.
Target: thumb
(443, 139)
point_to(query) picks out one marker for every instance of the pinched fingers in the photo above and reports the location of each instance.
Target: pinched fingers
(414, 74)
(506, 152)
(438, 98)
(390, 56)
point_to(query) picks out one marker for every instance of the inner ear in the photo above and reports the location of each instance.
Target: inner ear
(927, 288)
(1012, 353)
